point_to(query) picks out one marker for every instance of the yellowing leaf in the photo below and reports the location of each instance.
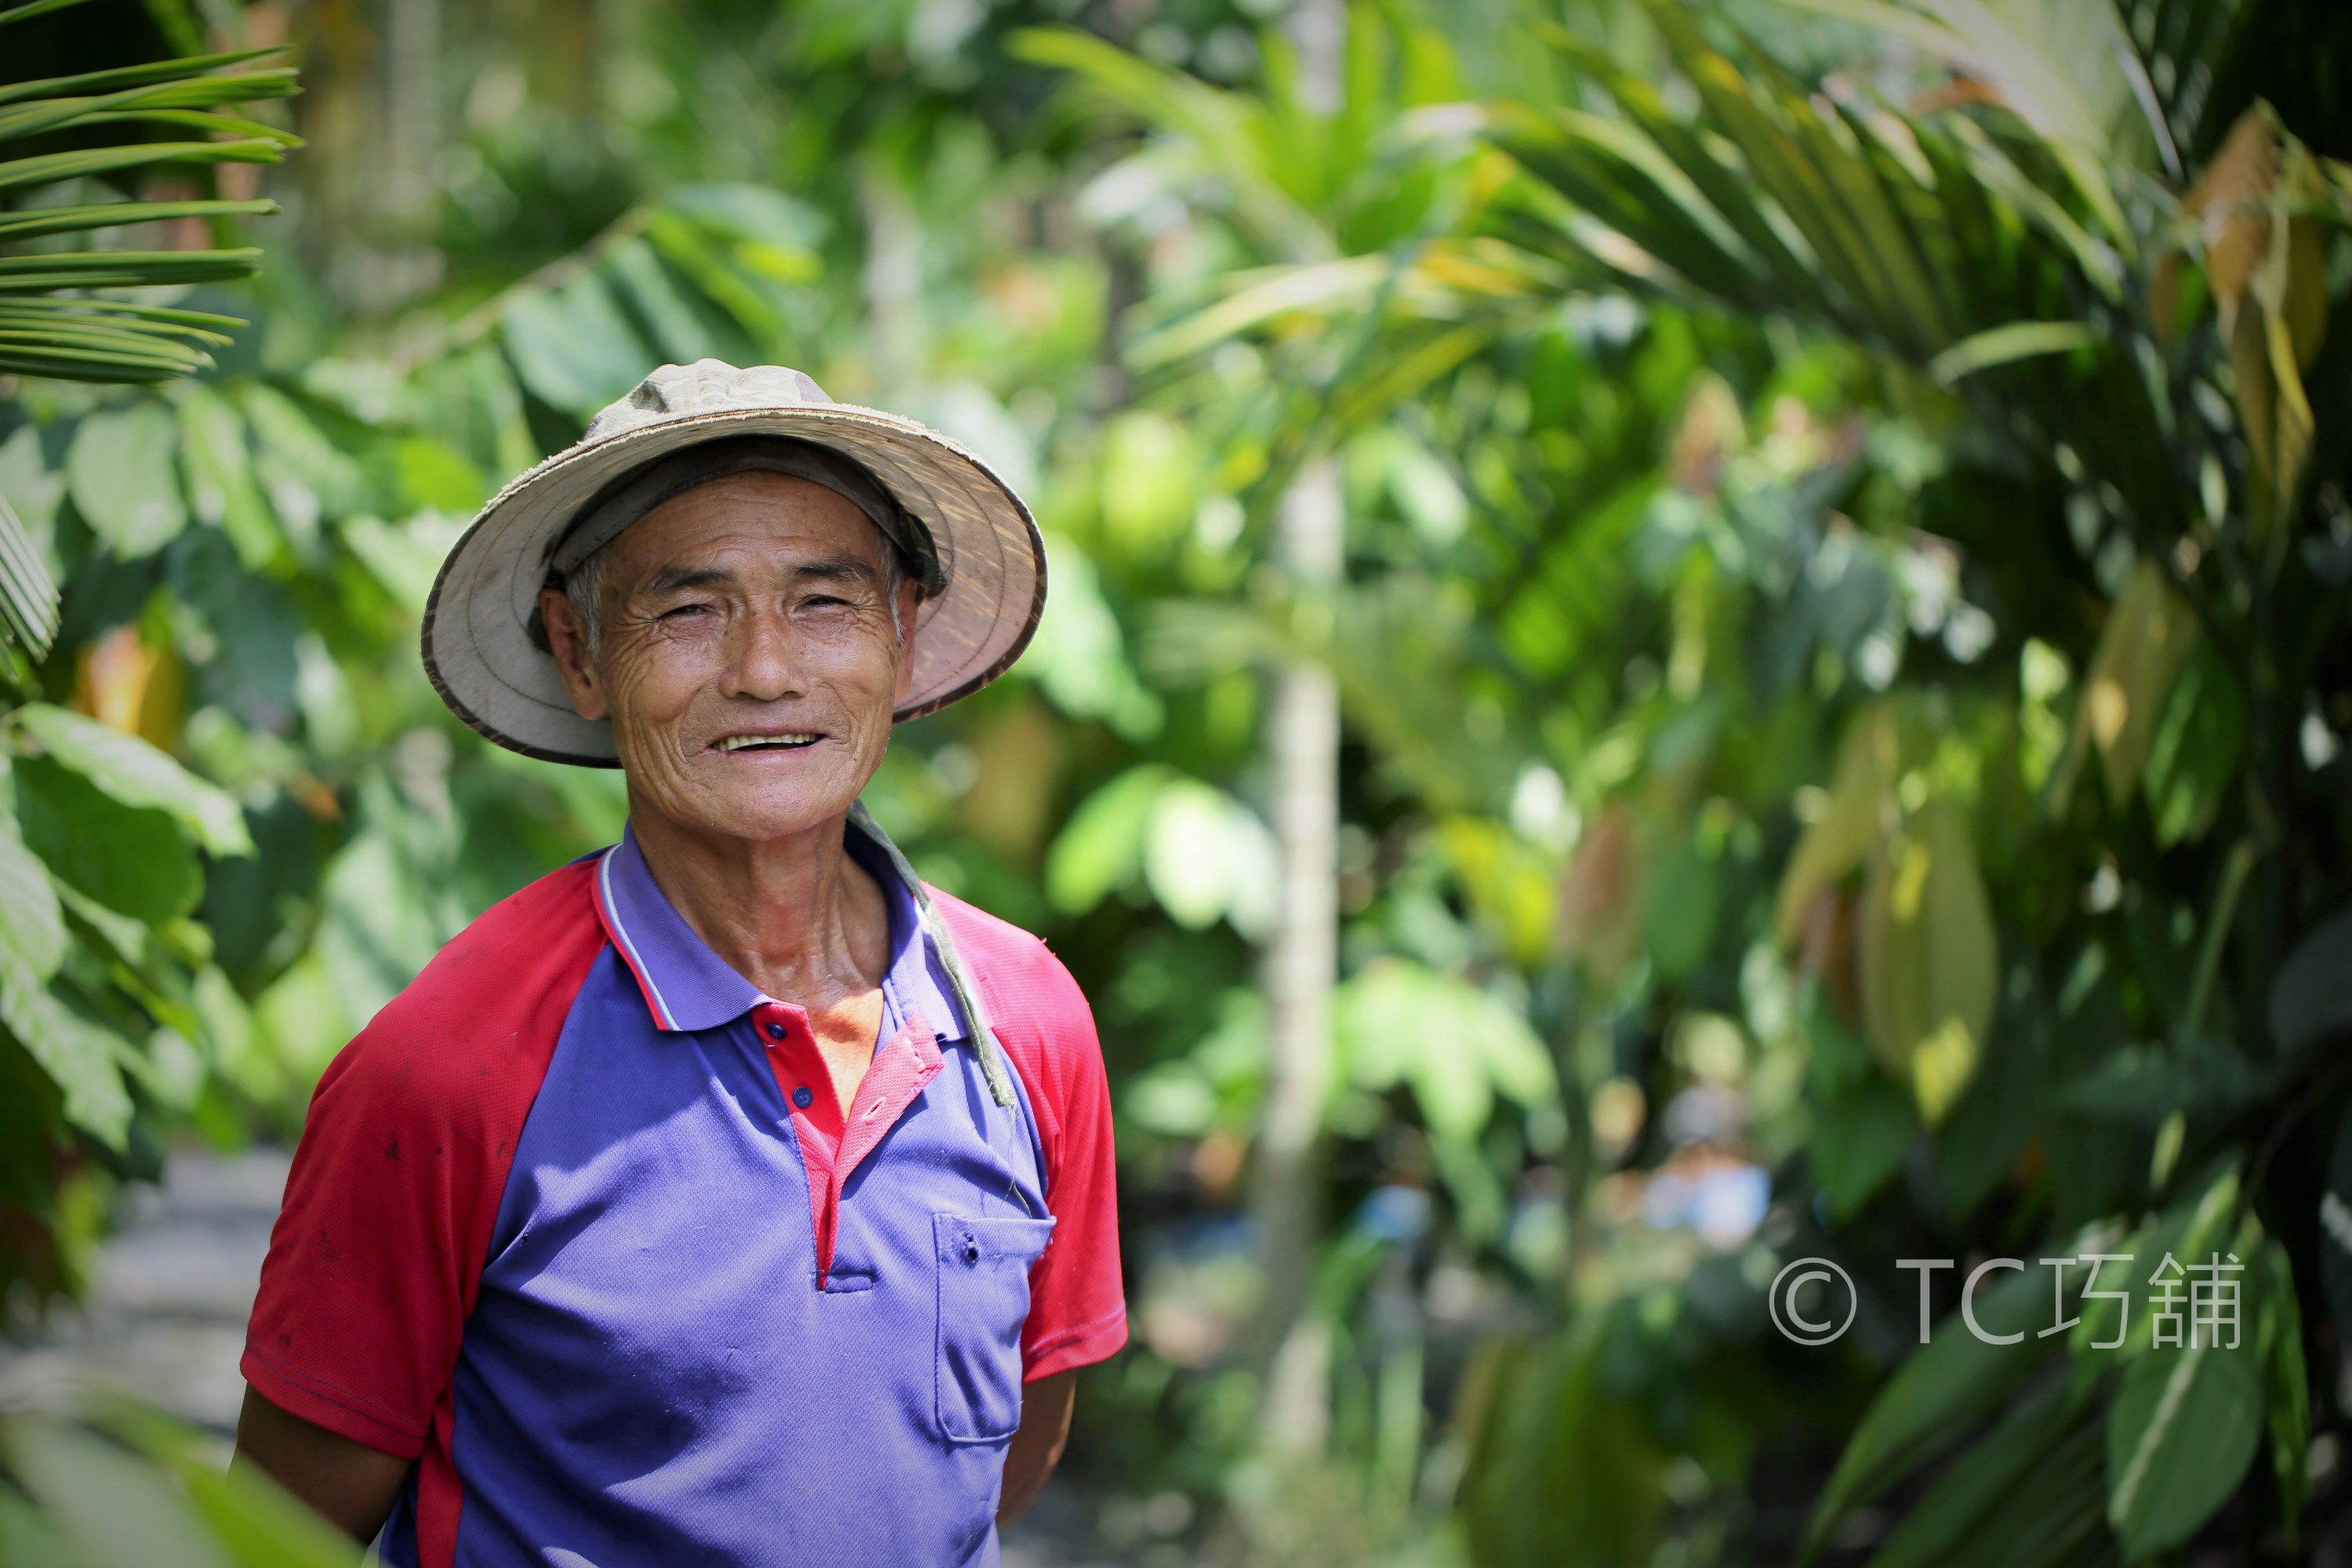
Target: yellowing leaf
(1508, 882)
(2149, 634)
(2228, 202)
(1928, 958)
(1600, 900)
(1844, 834)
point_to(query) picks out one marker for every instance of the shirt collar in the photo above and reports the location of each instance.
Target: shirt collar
(686, 986)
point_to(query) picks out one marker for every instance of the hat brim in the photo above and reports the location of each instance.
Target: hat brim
(476, 641)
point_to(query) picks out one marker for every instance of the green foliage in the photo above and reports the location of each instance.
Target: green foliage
(135, 1487)
(1838, 652)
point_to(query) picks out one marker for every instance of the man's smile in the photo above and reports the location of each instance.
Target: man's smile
(786, 741)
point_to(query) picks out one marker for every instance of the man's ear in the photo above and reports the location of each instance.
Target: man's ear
(910, 599)
(567, 639)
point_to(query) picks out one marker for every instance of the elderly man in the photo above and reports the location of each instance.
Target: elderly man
(727, 1196)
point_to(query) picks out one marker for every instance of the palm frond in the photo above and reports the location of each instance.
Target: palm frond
(54, 320)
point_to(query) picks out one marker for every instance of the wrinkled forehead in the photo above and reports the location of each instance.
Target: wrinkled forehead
(778, 518)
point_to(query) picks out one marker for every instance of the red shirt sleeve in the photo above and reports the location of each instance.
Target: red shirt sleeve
(1077, 1305)
(394, 1190)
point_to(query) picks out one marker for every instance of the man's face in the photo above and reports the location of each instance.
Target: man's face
(749, 661)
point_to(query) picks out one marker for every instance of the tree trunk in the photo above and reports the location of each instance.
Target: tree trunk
(1302, 961)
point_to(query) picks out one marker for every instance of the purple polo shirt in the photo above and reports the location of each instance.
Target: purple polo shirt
(577, 1224)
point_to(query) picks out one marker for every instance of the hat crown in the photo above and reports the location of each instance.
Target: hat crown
(706, 386)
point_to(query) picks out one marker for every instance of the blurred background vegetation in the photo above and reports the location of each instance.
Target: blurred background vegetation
(1683, 637)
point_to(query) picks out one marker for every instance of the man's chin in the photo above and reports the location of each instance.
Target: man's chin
(760, 800)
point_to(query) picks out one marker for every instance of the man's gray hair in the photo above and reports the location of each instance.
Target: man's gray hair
(585, 586)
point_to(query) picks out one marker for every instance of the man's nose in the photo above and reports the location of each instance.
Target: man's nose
(762, 660)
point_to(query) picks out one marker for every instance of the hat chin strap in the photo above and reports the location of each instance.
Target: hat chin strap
(967, 994)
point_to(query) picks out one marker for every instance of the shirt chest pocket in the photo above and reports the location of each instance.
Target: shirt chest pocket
(982, 1301)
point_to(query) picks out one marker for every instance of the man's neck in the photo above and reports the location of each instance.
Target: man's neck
(796, 916)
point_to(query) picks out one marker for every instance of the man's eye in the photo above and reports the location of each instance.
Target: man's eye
(676, 610)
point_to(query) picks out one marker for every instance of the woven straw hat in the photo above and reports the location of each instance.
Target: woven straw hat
(479, 644)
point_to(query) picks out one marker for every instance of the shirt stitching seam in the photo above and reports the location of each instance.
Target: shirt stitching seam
(333, 1392)
(1087, 1330)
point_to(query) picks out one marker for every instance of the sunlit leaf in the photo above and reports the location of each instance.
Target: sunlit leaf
(133, 859)
(30, 925)
(137, 774)
(220, 474)
(1102, 845)
(1941, 1391)
(111, 1505)
(77, 1055)
(1852, 822)
(2007, 345)
(2277, 1314)
(1980, 1482)
(1560, 1475)
(1928, 958)
(123, 479)
(2192, 758)
(572, 346)
(2180, 1437)
(2149, 633)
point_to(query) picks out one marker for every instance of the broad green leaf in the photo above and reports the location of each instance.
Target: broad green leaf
(220, 474)
(659, 300)
(1679, 920)
(2055, 1517)
(1207, 855)
(114, 1506)
(1980, 1482)
(132, 858)
(1850, 826)
(1995, 1120)
(1101, 846)
(253, 1521)
(1457, 1047)
(77, 1056)
(2180, 1437)
(1928, 958)
(437, 476)
(1943, 1389)
(2148, 636)
(2286, 1379)
(124, 476)
(572, 346)
(28, 1540)
(137, 774)
(2192, 759)
(2311, 1000)
(1860, 1132)
(2190, 1229)
(1560, 1473)
(31, 923)
(1513, 886)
